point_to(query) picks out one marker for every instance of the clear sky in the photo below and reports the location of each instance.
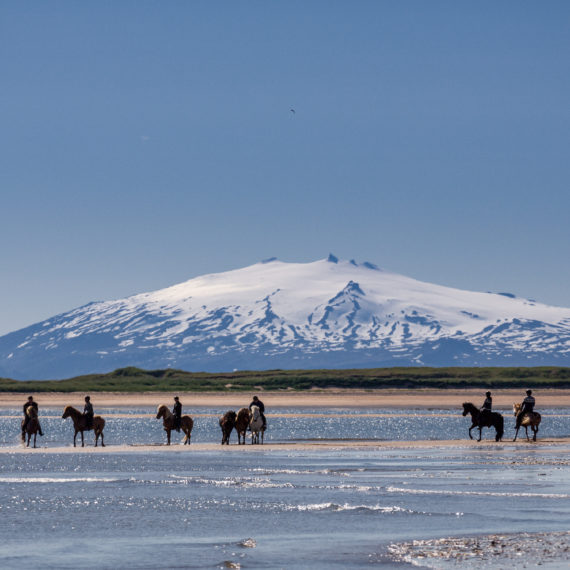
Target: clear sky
(143, 143)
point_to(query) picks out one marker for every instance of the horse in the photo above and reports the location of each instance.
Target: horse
(484, 419)
(256, 425)
(227, 423)
(242, 423)
(80, 425)
(528, 420)
(32, 427)
(186, 423)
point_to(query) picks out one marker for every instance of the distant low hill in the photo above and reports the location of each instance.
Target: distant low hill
(133, 379)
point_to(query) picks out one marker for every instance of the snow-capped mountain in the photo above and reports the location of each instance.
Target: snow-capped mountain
(328, 313)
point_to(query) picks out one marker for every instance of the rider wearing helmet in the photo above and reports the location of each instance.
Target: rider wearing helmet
(177, 411)
(257, 402)
(88, 413)
(526, 408)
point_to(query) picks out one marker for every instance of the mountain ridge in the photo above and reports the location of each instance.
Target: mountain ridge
(324, 314)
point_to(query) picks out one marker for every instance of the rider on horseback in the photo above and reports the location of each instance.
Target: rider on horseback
(177, 411)
(26, 421)
(526, 408)
(88, 413)
(257, 402)
(487, 406)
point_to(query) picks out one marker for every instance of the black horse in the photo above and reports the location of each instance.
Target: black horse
(484, 419)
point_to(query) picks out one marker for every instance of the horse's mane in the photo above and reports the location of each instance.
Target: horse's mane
(31, 412)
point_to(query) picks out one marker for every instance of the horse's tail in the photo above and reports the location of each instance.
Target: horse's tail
(500, 428)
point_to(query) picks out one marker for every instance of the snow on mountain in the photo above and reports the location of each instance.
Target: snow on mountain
(329, 313)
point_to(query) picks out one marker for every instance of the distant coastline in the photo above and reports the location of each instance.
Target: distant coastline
(137, 380)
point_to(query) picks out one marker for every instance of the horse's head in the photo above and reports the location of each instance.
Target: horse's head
(254, 413)
(66, 412)
(161, 411)
(465, 408)
(31, 412)
(516, 409)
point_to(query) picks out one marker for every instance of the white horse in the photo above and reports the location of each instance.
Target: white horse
(256, 425)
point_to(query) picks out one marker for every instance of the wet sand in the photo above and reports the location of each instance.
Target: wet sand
(330, 398)
(327, 445)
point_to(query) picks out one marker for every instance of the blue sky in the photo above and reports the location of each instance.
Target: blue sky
(144, 143)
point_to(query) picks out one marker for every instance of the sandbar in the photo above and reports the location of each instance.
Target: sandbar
(418, 398)
(315, 445)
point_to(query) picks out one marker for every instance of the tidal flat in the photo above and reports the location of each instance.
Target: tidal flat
(340, 488)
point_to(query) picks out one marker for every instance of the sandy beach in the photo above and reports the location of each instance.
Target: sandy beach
(331, 398)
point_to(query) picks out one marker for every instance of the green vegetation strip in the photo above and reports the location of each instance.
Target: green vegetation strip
(137, 380)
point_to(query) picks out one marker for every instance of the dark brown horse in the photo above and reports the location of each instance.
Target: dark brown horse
(32, 427)
(186, 424)
(227, 423)
(484, 419)
(242, 423)
(80, 425)
(531, 420)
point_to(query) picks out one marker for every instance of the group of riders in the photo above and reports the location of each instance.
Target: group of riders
(527, 407)
(487, 407)
(177, 411)
(88, 413)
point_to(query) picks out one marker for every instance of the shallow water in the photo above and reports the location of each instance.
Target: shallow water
(139, 426)
(271, 509)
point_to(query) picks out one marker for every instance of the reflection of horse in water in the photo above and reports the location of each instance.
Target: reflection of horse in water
(481, 419)
(227, 423)
(168, 420)
(80, 425)
(256, 425)
(531, 420)
(32, 427)
(242, 423)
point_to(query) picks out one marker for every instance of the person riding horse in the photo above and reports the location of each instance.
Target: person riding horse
(487, 406)
(257, 402)
(26, 421)
(527, 408)
(177, 411)
(88, 413)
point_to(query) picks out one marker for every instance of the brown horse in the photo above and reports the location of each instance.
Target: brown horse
(227, 423)
(186, 423)
(528, 420)
(242, 423)
(80, 425)
(32, 427)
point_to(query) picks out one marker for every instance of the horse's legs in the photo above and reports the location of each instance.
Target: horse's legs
(535, 430)
(102, 440)
(74, 437)
(96, 436)
(472, 426)
(480, 429)
(35, 435)
(167, 437)
(82, 439)
(526, 430)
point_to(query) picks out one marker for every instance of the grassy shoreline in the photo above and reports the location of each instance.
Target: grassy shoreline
(133, 379)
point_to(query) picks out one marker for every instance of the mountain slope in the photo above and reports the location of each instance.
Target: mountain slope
(328, 313)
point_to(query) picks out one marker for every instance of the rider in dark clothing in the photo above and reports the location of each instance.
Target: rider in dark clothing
(527, 408)
(88, 413)
(257, 402)
(177, 411)
(487, 406)
(34, 405)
